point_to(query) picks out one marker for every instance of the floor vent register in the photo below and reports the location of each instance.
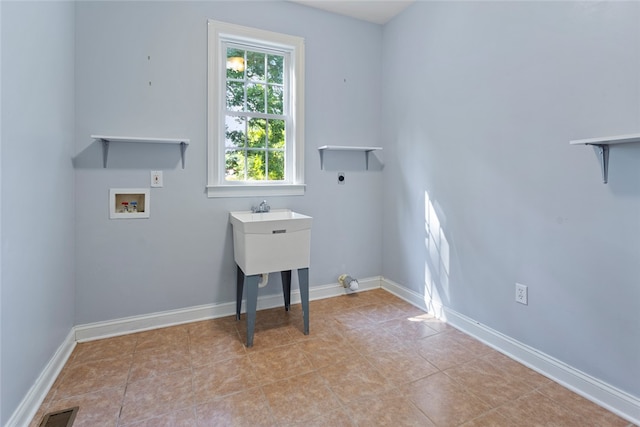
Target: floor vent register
(62, 418)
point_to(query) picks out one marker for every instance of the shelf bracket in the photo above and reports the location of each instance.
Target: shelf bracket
(105, 152)
(603, 151)
(183, 147)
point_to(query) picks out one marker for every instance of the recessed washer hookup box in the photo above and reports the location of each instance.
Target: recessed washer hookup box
(129, 203)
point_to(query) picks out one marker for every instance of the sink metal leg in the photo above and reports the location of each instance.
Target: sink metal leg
(286, 288)
(251, 283)
(303, 278)
(239, 286)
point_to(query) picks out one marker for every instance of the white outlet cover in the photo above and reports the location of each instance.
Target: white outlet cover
(522, 294)
(156, 179)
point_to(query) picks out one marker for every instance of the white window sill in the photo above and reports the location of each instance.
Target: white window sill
(245, 190)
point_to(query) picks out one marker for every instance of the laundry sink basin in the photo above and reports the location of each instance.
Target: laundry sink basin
(265, 242)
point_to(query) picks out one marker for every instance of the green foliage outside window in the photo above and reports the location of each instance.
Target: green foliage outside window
(254, 122)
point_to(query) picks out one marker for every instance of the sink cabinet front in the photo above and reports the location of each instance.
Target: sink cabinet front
(266, 253)
(279, 240)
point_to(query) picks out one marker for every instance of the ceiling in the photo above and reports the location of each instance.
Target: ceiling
(376, 11)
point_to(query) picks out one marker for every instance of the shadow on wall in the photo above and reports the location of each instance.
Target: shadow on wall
(436, 265)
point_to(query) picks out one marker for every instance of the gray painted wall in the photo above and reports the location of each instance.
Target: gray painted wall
(482, 140)
(182, 256)
(37, 191)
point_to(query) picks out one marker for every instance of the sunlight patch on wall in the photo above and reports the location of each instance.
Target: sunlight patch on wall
(436, 266)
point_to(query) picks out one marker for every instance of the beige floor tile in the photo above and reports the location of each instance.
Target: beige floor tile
(434, 323)
(392, 412)
(103, 349)
(54, 387)
(374, 296)
(322, 325)
(371, 359)
(336, 418)
(444, 351)
(515, 369)
(370, 339)
(213, 327)
(352, 300)
(535, 409)
(164, 338)
(401, 366)
(349, 320)
(159, 361)
(326, 349)
(278, 316)
(589, 411)
(268, 337)
(279, 363)
(382, 312)
(219, 379)
(329, 305)
(470, 343)
(157, 396)
(97, 409)
(355, 379)
(86, 377)
(296, 333)
(409, 328)
(301, 398)
(205, 350)
(444, 401)
(181, 418)
(490, 419)
(248, 408)
(487, 382)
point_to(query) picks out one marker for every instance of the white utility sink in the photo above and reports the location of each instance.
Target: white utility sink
(265, 242)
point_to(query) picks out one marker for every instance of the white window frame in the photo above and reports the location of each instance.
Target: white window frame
(217, 186)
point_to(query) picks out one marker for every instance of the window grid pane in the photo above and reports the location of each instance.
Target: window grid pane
(255, 149)
(255, 123)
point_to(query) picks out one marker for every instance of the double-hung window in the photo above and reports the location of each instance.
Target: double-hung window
(256, 112)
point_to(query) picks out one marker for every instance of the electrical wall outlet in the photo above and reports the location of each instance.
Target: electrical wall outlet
(522, 294)
(156, 178)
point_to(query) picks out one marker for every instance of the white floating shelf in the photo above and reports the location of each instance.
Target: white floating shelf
(106, 139)
(608, 140)
(366, 150)
(603, 146)
(142, 140)
(347, 148)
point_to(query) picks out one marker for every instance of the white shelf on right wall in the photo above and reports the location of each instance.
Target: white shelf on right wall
(366, 150)
(603, 144)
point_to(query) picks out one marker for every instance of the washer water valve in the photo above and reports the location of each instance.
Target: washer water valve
(348, 282)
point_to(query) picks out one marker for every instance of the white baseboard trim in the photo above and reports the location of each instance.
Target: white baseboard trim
(127, 325)
(599, 392)
(27, 409)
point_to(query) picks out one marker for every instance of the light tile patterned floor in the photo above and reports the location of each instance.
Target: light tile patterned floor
(371, 360)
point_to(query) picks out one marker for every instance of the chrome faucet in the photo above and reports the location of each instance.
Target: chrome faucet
(262, 207)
